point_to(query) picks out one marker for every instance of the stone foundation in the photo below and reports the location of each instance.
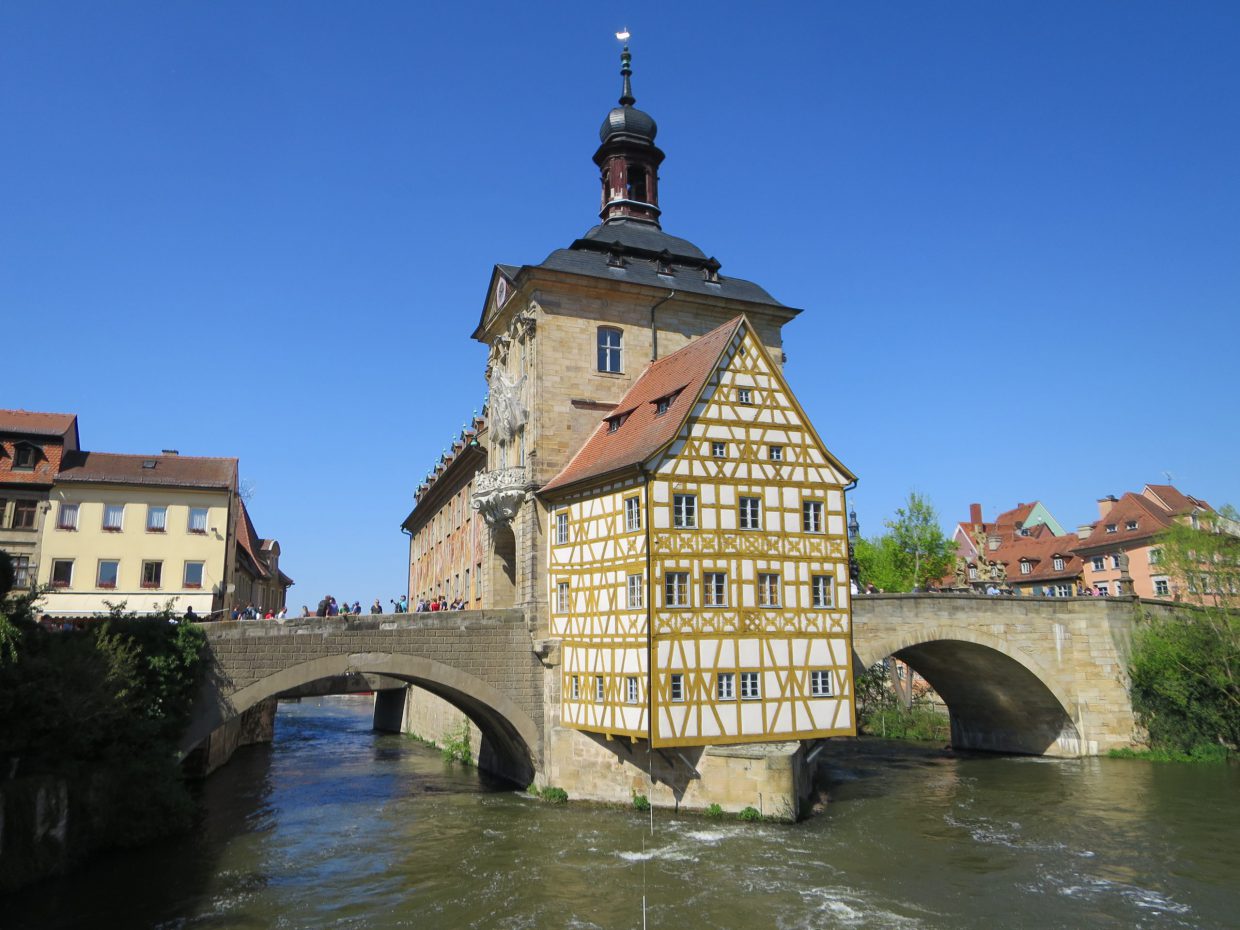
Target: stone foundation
(256, 725)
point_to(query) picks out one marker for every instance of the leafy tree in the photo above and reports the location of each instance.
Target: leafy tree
(1185, 670)
(880, 562)
(928, 554)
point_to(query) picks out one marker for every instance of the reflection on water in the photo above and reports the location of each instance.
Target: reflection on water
(336, 826)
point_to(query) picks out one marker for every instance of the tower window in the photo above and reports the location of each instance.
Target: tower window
(637, 184)
(609, 349)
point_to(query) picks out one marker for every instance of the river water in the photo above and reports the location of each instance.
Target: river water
(336, 826)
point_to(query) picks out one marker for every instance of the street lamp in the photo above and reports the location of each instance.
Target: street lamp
(854, 534)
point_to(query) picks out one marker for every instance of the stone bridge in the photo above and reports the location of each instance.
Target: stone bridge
(480, 661)
(1044, 676)
(1039, 675)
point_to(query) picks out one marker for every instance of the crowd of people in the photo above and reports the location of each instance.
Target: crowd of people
(248, 612)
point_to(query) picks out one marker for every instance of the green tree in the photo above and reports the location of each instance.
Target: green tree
(927, 553)
(880, 563)
(1185, 670)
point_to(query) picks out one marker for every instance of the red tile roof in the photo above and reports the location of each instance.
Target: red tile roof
(36, 424)
(1150, 517)
(1040, 552)
(176, 471)
(1173, 500)
(642, 431)
(248, 542)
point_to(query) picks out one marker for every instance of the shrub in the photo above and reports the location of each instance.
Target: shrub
(554, 795)
(640, 802)
(749, 815)
(714, 811)
(455, 745)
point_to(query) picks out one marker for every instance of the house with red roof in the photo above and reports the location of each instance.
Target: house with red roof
(99, 528)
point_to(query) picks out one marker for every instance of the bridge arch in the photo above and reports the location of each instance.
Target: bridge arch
(511, 740)
(1000, 699)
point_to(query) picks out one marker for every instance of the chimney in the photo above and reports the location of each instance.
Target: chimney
(169, 452)
(975, 514)
(1083, 531)
(1105, 504)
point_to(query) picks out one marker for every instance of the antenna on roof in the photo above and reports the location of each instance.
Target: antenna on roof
(1170, 477)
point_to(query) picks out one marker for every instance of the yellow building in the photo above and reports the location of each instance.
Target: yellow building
(698, 562)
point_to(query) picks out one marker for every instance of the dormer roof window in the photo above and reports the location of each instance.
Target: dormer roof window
(25, 454)
(663, 404)
(616, 421)
(1130, 525)
(710, 270)
(1112, 528)
(663, 262)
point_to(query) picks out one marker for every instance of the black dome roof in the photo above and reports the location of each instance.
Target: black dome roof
(628, 121)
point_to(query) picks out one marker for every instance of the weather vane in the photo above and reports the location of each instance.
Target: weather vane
(623, 35)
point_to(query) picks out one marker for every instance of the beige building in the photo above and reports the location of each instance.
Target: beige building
(93, 528)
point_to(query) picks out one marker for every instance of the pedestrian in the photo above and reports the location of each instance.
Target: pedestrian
(322, 610)
(190, 616)
(376, 607)
(357, 608)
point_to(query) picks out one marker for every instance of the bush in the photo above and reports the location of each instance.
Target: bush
(455, 745)
(749, 815)
(1204, 753)
(640, 802)
(554, 795)
(714, 811)
(1185, 680)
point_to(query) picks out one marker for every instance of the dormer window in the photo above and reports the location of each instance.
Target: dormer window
(25, 454)
(1058, 563)
(1130, 525)
(663, 262)
(663, 404)
(1112, 528)
(710, 271)
(615, 256)
(1025, 567)
(614, 423)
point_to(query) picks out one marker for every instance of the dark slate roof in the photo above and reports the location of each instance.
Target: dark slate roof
(639, 245)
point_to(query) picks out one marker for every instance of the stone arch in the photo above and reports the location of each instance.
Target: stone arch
(999, 699)
(502, 576)
(511, 741)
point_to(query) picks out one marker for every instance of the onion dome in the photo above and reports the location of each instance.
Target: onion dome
(626, 120)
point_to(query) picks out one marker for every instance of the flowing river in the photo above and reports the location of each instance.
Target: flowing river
(336, 826)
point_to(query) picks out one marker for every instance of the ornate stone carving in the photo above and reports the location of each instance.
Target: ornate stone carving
(498, 494)
(506, 412)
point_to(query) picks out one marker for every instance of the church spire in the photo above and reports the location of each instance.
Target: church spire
(628, 158)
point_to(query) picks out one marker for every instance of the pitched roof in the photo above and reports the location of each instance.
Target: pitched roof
(1171, 498)
(36, 424)
(248, 542)
(1040, 552)
(1150, 518)
(643, 431)
(178, 471)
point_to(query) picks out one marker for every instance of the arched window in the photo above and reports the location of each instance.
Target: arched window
(637, 183)
(609, 349)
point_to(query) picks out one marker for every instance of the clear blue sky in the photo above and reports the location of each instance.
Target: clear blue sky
(265, 229)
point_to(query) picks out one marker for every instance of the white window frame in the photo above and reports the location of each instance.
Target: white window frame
(156, 518)
(822, 591)
(632, 514)
(821, 683)
(633, 592)
(744, 395)
(775, 452)
(1115, 561)
(99, 582)
(575, 687)
(600, 690)
(684, 511)
(561, 527)
(725, 686)
(190, 521)
(719, 450)
(202, 574)
(676, 687)
(51, 578)
(1164, 584)
(770, 583)
(610, 353)
(676, 590)
(114, 510)
(561, 597)
(1058, 563)
(749, 513)
(159, 582)
(632, 691)
(66, 516)
(812, 516)
(714, 589)
(751, 686)
(1099, 563)
(1025, 567)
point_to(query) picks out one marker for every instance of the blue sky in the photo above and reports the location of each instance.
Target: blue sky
(266, 230)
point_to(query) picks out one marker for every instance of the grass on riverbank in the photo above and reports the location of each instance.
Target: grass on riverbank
(918, 722)
(1211, 753)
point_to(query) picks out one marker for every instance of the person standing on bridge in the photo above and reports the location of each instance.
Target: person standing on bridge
(376, 607)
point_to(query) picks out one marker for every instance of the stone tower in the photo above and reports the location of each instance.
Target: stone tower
(569, 336)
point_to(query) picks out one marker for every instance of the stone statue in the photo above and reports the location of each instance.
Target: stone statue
(507, 410)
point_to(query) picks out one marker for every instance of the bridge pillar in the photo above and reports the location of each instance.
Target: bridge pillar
(389, 716)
